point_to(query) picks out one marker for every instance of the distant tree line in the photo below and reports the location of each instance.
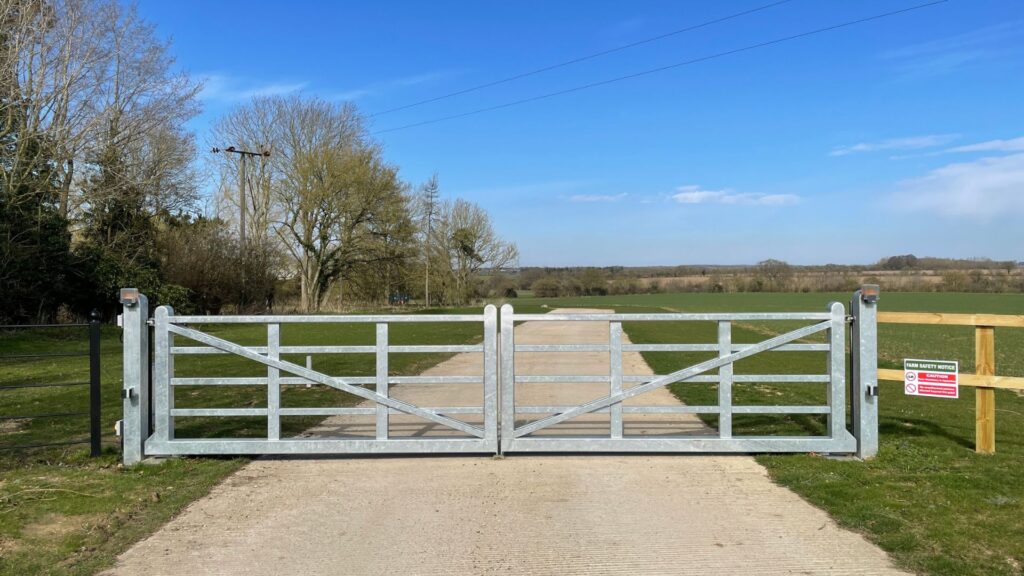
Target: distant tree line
(100, 187)
(897, 273)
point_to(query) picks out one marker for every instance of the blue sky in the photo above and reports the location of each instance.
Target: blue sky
(901, 135)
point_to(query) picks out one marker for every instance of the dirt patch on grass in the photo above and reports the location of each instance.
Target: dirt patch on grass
(56, 526)
(8, 546)
(13, 426)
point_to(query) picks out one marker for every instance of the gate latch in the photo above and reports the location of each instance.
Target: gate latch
(871, 389)
(127, 393)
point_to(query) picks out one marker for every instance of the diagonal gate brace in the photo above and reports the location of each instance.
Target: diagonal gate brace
(321, 378)
(677, 376)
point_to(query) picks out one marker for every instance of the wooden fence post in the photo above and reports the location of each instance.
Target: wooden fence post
(985, 398)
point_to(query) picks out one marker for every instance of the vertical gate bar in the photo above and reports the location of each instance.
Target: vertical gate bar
(163, 399)
(508, 373)
(273, 383)
(170, 377)
(864, 373)
(490, 399)
(615, 377)
(95, 432)
(382, 379)
(725, 374)
(135, 385)
(837, 371)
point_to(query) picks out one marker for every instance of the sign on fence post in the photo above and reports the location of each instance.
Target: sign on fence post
(932, 378)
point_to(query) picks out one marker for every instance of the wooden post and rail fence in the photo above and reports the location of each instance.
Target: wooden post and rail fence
(984, 378)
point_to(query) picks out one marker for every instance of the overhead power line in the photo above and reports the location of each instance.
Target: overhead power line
(663, 68)
(580, 59)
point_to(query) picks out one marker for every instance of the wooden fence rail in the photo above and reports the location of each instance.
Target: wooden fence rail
(984, 378)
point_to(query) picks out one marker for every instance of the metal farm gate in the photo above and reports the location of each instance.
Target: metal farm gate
(848, 376)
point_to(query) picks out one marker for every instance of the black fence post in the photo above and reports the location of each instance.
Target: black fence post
(95, 435)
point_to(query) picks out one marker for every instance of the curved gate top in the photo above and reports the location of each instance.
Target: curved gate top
(524, 420)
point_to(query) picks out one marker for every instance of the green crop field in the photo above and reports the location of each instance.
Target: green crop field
(928, 499)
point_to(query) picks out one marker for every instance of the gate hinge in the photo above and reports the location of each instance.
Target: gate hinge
(151, 322)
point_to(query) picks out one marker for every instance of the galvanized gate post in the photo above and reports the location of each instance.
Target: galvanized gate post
(135, 387)
(864, 373)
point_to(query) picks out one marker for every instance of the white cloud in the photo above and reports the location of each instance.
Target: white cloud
(1012, 145)
(597, 197)
(390, 85)
(224, 88)
(693, 194)
(980, 190)
(947, 55)
(908, 143)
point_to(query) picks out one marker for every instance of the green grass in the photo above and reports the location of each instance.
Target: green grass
(62, 512)
(927, 499)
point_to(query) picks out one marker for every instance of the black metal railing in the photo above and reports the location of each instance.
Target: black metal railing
(93, 353)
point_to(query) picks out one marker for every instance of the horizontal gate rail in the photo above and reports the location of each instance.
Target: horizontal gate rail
(354, 380)
(673, 317)
(661, 348)
(331, 319)
(332, 349)
(684, 409)
(767, 378)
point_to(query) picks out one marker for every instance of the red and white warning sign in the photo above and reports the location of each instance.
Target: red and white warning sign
(934, 378)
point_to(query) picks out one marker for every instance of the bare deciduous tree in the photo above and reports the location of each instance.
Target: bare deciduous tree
(469, 243)
(249, 127)
(91, 79)
(428, 205)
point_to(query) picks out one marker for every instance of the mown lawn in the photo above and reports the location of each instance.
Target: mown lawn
(927, 499)
(62, 512)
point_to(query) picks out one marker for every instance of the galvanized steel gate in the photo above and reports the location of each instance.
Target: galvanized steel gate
(169, 330)
(529, 433)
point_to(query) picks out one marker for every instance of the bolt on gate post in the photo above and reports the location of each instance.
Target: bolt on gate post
(135, 387)
(864, 369)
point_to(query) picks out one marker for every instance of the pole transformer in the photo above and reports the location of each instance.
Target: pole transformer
(242, 154)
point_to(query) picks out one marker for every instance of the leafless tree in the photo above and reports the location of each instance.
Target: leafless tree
(469, 243)
(428, 205)
(90, 79)
(248, 127)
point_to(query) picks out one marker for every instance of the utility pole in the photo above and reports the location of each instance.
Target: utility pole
(242, 202)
